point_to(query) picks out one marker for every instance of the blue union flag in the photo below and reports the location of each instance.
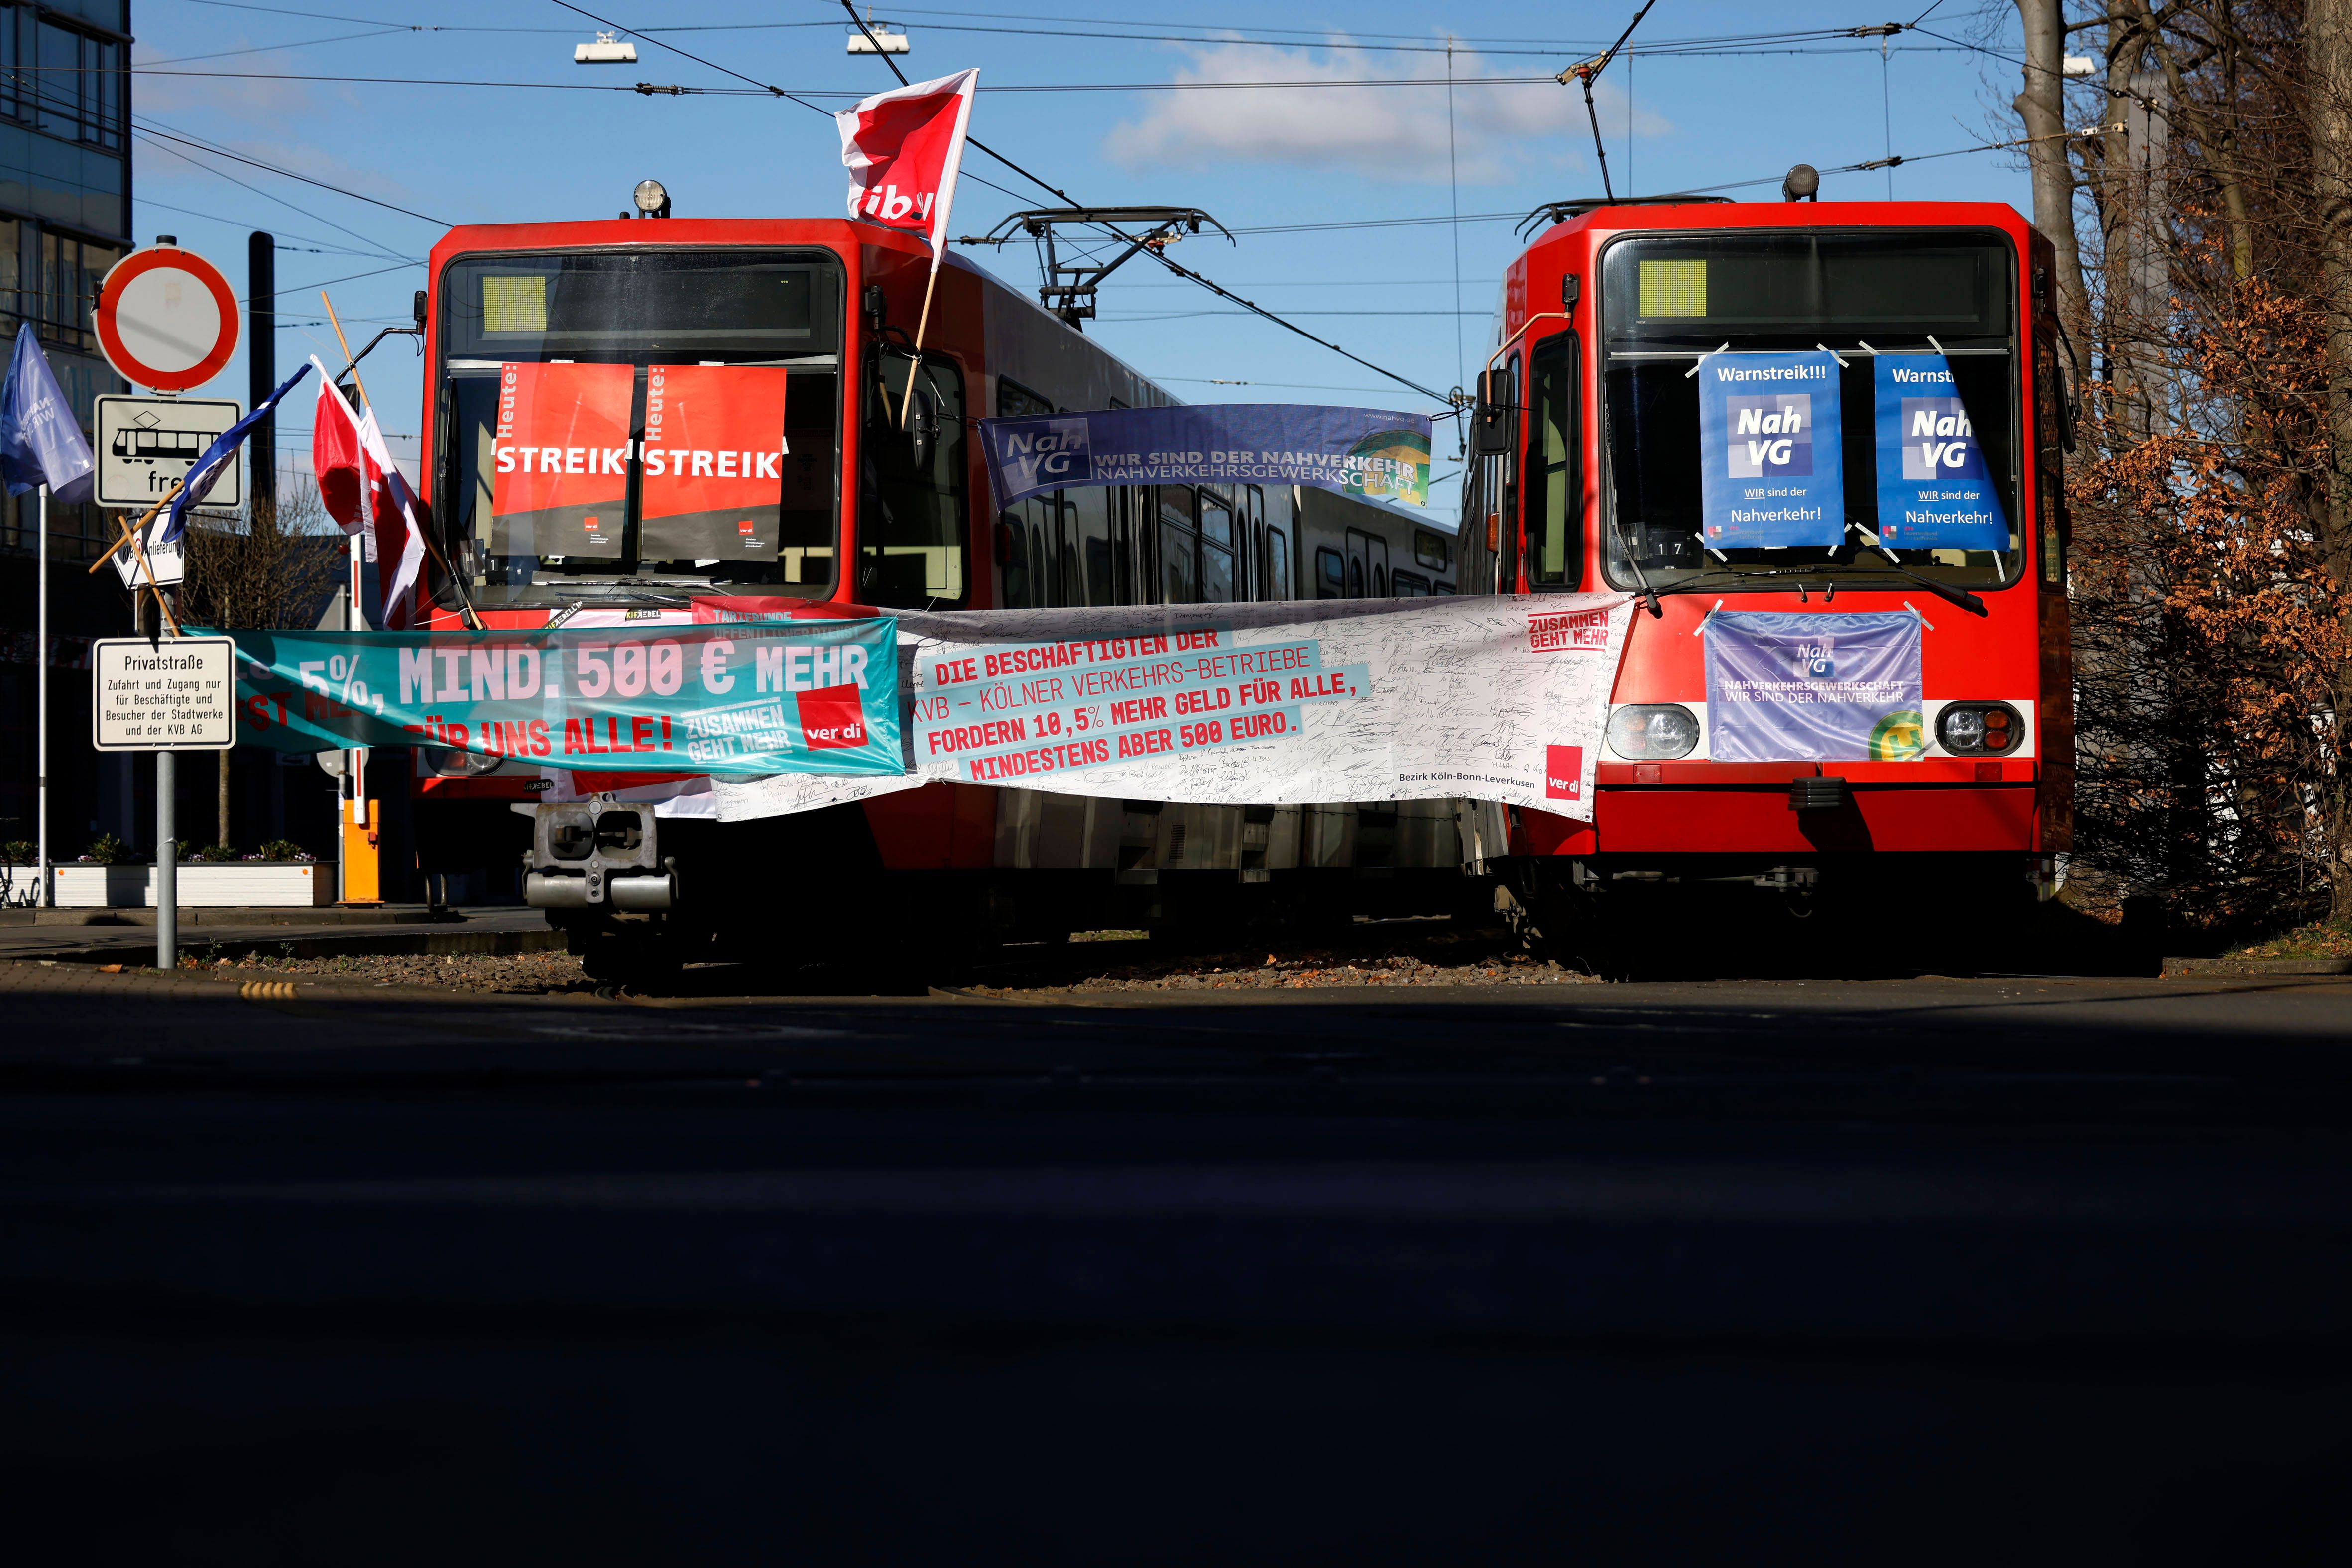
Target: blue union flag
(1374, 453)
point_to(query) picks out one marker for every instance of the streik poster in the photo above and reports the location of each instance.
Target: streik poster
(1372, 454)
(559, 457)
(750, 697)
(1813, 688)
(1482, 698)
(1772, 463)
(1934, 490)
(714, 458)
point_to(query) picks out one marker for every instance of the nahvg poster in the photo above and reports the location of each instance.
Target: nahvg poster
(560, 453)
(714, 462)
(1813, 688)
(1770, 449)
(1487, 698)
(750, 697)
(1356, 451)
(1934, 490)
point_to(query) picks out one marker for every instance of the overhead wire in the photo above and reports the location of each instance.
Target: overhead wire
(1158, 253)
(217, 152)
(382, 250)
(274, 48)
(803, 96)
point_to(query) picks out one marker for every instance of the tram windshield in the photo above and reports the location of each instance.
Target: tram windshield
(636, 425)
(1939, 307)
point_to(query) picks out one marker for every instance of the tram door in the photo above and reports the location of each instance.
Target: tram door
(1368, 565)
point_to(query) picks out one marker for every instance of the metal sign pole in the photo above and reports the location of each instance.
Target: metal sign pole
(49, 891)
(167, 867)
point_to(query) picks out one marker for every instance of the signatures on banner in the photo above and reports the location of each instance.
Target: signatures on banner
(1018, 710)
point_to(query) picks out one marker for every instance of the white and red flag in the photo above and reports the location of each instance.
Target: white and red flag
(363, 487)
(903, 150)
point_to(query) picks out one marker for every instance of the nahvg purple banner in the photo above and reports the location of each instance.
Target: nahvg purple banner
(1362, 452)
(1813, 688)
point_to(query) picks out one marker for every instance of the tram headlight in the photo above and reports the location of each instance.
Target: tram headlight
(652, 198)
(1979, 729)
(1653, 732)
(447, 762)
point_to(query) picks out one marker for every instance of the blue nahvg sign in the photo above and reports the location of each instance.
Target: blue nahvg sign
(1772, 465)
(1934, 490)
(1369, 452)
(1813, 688)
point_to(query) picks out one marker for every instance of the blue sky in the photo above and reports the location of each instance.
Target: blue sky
(1369, 139)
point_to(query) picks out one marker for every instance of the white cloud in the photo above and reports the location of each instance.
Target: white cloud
(1500, 131)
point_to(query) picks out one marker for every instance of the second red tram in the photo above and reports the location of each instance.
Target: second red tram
(1592, 482)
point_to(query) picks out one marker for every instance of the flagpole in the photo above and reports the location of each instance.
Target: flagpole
(432, 547)
(921, 322)
(132, 534)
(41, 675)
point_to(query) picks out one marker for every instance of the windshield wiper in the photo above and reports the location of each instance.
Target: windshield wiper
(1960, 596)
(1731, 577)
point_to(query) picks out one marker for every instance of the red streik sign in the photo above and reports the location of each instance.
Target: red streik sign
(1563, 773)
(714, 462)
(1570, 631)
(561, 450)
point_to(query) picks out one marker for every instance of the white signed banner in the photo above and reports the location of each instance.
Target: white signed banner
(1500, 699)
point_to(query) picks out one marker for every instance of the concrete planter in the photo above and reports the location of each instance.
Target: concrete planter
(233, 885)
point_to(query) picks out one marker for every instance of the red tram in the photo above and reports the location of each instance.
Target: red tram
(871, 516)
(1591, 480)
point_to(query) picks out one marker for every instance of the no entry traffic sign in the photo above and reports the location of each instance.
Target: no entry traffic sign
(166, 318)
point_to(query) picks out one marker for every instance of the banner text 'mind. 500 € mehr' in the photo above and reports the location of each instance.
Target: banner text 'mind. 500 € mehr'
(743, 697)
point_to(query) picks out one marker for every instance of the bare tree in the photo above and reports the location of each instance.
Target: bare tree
(2042, 107)
(274, 568)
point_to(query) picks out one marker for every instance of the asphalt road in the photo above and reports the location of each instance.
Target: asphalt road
(1928, 1271)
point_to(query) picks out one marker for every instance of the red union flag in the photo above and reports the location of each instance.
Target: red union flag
(903, 150)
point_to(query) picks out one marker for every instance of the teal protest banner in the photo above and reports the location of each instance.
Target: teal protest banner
(745, 697)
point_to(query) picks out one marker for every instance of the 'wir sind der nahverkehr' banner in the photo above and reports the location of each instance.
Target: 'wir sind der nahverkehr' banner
(1371, 454)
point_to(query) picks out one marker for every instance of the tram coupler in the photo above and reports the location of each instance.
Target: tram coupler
(597, 853)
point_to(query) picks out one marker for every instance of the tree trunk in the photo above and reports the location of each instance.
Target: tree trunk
(2327, 117)
(2041, 108)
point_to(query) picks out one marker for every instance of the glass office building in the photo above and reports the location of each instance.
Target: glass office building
(65, 219)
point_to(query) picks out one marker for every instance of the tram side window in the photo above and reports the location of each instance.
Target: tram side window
(1032, 541)
(913, 546)
(1254, 566)
(1330, 574)
(1410, 585)
(1277, 565)
(1217, 572)
(1554, 467)
(1086, 557)
(1180, 569)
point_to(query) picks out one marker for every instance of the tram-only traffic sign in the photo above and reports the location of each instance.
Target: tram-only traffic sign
(147, 444)
(173, 693)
